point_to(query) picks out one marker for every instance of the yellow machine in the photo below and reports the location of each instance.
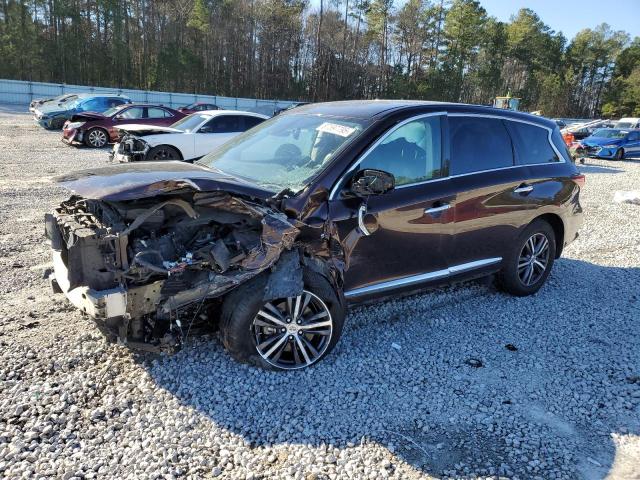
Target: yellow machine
(507, 103)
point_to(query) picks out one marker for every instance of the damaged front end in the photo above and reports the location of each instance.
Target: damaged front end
(130, 148)
(145, 268)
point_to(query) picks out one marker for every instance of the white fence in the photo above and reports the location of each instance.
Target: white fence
(17, 92)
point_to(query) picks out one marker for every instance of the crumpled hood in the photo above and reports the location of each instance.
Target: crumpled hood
(88, 116)
(130, 181)
(600, 141)
(51, 108)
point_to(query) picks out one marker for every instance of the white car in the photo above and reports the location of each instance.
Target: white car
(188, 139)
(628, 123)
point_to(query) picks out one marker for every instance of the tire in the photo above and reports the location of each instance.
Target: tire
(619, 154)
(514, 277)
(163, 152)
(243, 328)
(96, 138)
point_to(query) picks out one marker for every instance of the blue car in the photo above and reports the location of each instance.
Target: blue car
(612, 143)
(52, 116)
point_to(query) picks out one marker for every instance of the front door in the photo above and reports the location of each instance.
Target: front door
(216, 132)
(410, 225)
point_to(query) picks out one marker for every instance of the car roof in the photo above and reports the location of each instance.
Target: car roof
(155, 105)
(215, 113)
(379, 109)
(93, 95)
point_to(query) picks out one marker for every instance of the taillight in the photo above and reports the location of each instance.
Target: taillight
(579, 179)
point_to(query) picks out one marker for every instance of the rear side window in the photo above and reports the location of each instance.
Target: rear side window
(250, 122)
(132, 113)
(531, 144)
(558, 141)
(479, 143)
(155, 112)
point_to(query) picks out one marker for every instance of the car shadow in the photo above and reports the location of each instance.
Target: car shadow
(459, 376)
(586, 168)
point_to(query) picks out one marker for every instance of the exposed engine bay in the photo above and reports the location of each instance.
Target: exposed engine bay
(142, 267)
(130, 148)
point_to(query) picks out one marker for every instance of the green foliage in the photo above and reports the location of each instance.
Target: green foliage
(423, 49)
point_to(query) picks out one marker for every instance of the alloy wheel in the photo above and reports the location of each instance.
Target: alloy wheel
(533, 259)
(293, 332)
(97, 138)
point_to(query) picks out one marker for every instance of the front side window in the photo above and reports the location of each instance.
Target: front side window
(132, 113)
(223, 124)
(285, 152)
(609, 133)
(412, 152)
(531, 144)
(479, 143)
(634, 137)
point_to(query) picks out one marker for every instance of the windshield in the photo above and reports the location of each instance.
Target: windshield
(113, 110)
(624, 125)
(66, 98)
(189, 123)
(285, 151)
(609, 133)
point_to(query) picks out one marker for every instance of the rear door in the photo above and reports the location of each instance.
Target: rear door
(159, 116)
(487, 184)
(502, 170)
(633, 144)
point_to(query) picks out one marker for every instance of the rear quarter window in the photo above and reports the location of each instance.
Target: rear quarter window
(531, 144)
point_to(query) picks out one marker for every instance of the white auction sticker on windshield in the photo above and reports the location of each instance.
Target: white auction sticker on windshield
(336, 129)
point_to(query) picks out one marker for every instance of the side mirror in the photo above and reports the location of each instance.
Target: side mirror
(368, 182)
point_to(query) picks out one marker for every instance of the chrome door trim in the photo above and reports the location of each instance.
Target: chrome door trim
(441, 208)
(523, 189)
(561, 158)
(423, 277)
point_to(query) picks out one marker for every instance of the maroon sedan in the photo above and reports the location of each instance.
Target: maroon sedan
(97, 129)
(198, 107)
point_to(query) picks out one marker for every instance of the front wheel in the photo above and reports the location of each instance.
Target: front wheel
(163, 152)
(285, 333)
(619, 154)
(96, 138)
(529, 262)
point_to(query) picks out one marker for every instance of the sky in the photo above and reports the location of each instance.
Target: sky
(571, 16)
(568, 16)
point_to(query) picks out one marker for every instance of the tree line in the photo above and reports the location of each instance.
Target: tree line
(447, 50)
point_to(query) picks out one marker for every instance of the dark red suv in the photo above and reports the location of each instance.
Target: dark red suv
(272, 234)
(95, 130)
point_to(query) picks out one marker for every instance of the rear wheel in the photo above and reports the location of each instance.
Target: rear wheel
(163, 152)
(285, 333)
(96, 138)
(619, 154)
(529, 262)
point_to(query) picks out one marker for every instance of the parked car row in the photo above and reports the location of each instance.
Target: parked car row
(272, 233)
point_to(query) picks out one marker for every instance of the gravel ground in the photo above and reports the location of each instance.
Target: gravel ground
(462, 382)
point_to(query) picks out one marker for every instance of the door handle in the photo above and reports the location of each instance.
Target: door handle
(439, 208)
(524, 188)
(362, 210)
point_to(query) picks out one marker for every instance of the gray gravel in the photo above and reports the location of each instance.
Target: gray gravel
(462, 382)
